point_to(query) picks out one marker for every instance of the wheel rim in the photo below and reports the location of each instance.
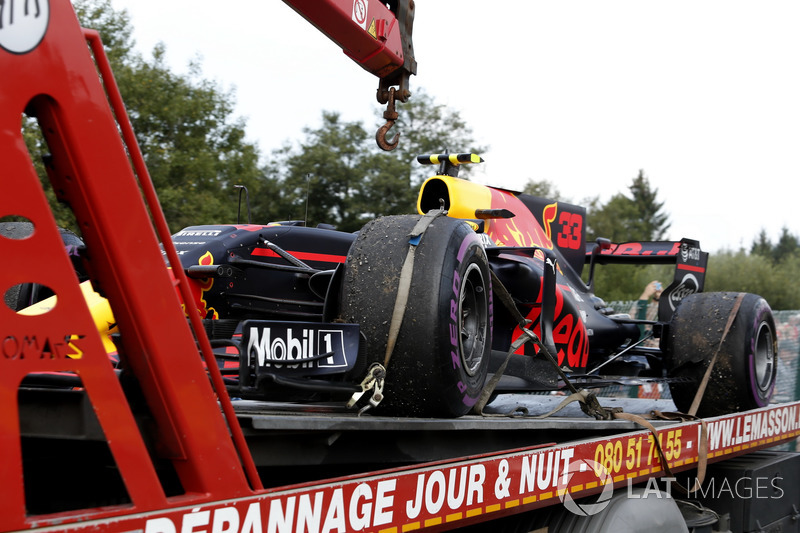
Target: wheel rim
(764, 356)
(473, 309)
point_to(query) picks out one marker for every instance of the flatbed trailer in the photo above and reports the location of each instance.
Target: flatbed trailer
(161, 448)
(328, 469)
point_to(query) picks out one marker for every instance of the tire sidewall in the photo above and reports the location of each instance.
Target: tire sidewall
(459, 389)
(759, 321)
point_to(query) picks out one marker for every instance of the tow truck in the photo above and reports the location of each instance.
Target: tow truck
(163, 451)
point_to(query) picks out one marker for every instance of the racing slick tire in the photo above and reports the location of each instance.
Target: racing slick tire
(744, 373)
(439, 364)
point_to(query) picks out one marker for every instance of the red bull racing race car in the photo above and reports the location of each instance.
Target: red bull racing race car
(413, 314)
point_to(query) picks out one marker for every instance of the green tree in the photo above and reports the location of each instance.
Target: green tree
(387, 187)
(543, 189)
(616, 220)
(738, 271)
(337, 175)
(195, 150)
(638, 217)
(762, 245)
(653, 222)
(788, 245)
(428, 127)
(323, 181)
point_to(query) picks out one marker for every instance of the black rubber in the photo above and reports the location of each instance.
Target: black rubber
(744, 372)
(439, 364)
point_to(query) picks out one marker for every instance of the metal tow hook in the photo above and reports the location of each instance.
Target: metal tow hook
(391, 117)
(374, 382)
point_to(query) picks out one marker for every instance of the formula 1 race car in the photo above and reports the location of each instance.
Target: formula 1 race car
(411, 314)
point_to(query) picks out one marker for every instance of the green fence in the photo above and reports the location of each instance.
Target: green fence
(788, 385)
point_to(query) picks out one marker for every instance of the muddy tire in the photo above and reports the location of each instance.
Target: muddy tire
(439, 364)
(744, 373)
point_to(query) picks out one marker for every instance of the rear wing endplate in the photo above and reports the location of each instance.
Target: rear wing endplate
(690, 265)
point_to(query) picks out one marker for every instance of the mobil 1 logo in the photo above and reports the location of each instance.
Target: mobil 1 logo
(306, 348)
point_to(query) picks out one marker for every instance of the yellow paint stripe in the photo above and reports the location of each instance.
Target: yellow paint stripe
(454, 517)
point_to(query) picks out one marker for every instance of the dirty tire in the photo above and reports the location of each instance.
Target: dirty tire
(439, 364)
(744, 373)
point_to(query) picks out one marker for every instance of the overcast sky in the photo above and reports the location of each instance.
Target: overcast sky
(702, 95)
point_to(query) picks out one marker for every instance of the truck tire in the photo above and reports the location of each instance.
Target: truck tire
(439, 364)
(744, 372)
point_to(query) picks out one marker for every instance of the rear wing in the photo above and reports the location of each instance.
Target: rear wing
(690, 265)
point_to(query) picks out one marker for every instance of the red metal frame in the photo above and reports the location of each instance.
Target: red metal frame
(57, 82)
(367, 31)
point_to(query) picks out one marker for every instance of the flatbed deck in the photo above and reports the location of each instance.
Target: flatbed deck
(329, 435)
(290, 416)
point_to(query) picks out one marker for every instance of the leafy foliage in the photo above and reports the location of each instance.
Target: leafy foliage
(543, 189)
(626, 282)
(195, 150)
(635, 218)
(775, 281)
(787, 246)
(338, 176)
(323, 180)
(428, 127)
